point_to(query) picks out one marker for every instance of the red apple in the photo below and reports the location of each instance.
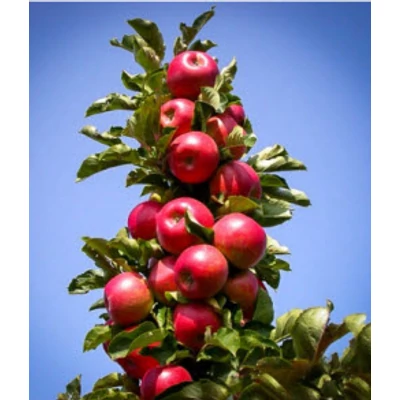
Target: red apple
(128, 298)
(201, 272)
(193, 157)
(134, 364)
(177, 113)
(189, 71)
(162, 278)
(241, 239)
(219, 127)
(190, 322)
(142, 220)
(171, 230)
(242, 288)
(236, 111)
(236, 178)
(159, 379)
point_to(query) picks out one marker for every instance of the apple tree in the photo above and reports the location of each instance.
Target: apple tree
(185, 305)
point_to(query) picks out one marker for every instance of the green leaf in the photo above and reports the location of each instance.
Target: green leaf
(97, 305)
(274, 158)
(73, 389)
(175, 296)
(357, 388)
(109, 381)
(114, 101)
(179, 46)
(108, 138)
(119, 154)
(355, 323)
(190, 32)
(254, 392)
(223, 83)
(133, 82)
(127, 43)
(112, 394)
(269, 275)
(127, 247)
(145, 56)
(264, 311)
(301, 392)
(126, 341)
(195, 228)
(239, 204)
(149, 31)
(308, 331)
(89, 280)
(250, 339)
(273, 247)
(141, 176)
(211, 97)
(291, 195)
(200, 390)
(225, 338)
(275, 391)
(272, 180)
(96, 336)
(284, 325)
(202, 112)
(272, 212)
(202, 45)
(165, 352)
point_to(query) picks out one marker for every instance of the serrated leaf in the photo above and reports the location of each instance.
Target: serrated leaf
(211, 97)
(200, 390)
(291, 195)
(190, 32)
(284, 325)
(195, 228)
(272, 180)
(112, 394)
(308, 331)
(96, 336)
(126, 341)
(97, 305)
(272, 212)
(264, 311)
(115, 156)
(149, 31)
(109, 381)
(89, 280)
(223, 83)
(107, 138)
(133, 82)
(202, 45)
(274, 247)
(114, 101)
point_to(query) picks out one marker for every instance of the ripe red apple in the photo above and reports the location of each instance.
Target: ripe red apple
(159, 379)
(162, 278)
(128, 298)
(242, 288)
(236, 111)
(177, 113)
(189, 71)
(236, 178)
(219, 127)
(201, 272)
(171, 230)
(241, 239)
(134, 364)
(193, 157)
(142, 220)
(190, 322)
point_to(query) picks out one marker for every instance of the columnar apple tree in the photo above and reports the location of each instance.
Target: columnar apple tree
(185, 285)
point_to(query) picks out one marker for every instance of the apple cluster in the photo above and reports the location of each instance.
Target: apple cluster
(195, 269)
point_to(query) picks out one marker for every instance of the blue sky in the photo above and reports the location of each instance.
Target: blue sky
(304, 79)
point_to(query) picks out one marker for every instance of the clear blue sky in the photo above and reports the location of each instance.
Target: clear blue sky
(304, 79)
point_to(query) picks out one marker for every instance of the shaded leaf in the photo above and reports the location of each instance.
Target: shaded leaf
(223, 83)
(142, 177)
(357, 388)
(114, 101)
(195, 228)
(108, 138)
(165, 352)
(190, 32)
(96, 336)
(239, 204)
(291, 195)
(114, 394)
(301, 392)
(254, 392)
(275, 391)
(284, 324)
(225, 338)
(109, 381)
(133, 82)
(89, 280)
(127, 43)
(73, 388)
(202, 45)
(97, 305)
(211, 97)
(272, 180)
(264, 311)
(149, 31)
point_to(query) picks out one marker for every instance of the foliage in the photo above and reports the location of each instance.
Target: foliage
(249, 359)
